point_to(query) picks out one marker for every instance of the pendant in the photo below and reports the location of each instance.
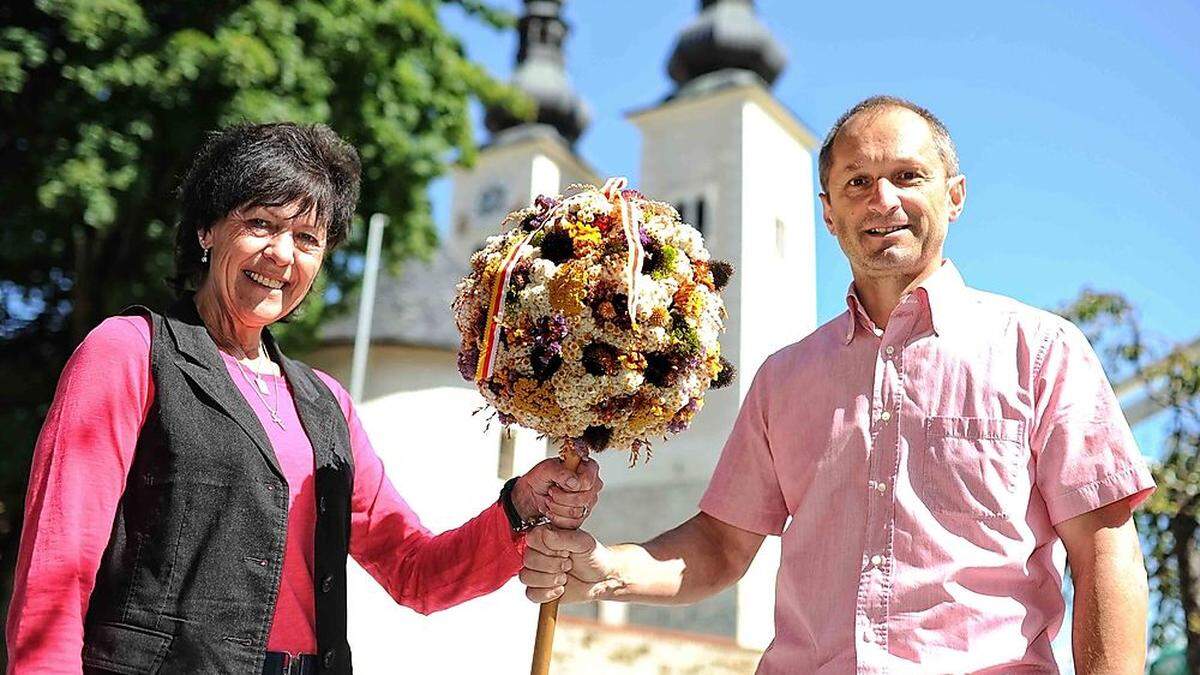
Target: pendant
(277, 420)
(262, 386)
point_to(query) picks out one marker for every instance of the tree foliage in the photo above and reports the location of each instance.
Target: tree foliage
(1169, 523)
(103, 102)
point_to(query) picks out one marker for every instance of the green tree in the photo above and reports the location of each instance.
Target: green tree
(102, 103)
(1170, 521)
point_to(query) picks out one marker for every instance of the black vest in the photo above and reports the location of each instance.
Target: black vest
(190, 577)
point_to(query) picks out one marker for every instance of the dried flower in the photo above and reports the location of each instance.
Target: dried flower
(600, 359)
(557, 246)
(568, 364)
(722, 272)
(568, 289)
(725, 376)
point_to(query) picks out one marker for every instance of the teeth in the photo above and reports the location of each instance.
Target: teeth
(269, 283)
(886, 230)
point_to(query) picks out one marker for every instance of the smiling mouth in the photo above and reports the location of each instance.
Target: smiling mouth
(884, 231)
(263, 281)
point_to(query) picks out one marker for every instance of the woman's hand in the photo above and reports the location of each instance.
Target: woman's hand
(550, 489)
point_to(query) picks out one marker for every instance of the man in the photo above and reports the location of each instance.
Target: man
(931, 445)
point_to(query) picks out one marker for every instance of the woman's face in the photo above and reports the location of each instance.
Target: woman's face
(262, 261)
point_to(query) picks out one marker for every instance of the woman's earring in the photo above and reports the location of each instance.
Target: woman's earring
(204, 257)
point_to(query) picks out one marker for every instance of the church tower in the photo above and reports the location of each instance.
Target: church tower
(739, 167)
(523, 159)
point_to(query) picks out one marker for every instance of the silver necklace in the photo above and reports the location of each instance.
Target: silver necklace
(260, 388)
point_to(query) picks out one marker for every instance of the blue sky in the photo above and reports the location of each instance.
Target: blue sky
(1074, 124)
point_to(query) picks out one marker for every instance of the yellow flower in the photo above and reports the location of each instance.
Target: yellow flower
(568, 288)
(584, 236)
(632, 361)
(688, 301)
(712, 362)
(534, 398)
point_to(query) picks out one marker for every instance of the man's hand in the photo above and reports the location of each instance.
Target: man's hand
(701, 557)
(566, 564)
(550, 489)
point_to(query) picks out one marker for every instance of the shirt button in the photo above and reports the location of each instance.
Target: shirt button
(890, 350)
(877, 560)
(881, 487)
(885, 415)
(878, 332)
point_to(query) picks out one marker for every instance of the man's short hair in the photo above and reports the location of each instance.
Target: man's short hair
(875, 104)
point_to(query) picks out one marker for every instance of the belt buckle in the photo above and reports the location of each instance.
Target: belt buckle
(291, 664)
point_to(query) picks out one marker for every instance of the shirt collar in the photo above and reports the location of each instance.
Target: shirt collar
(942, 293)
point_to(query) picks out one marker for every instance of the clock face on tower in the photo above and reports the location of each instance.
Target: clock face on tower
(491, 199)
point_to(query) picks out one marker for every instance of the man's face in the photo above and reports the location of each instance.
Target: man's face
(889, 201)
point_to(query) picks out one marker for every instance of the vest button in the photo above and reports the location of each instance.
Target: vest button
(327, 660)
(321, 505)
(327, 583)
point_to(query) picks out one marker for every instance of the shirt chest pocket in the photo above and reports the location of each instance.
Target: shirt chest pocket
(971, 466)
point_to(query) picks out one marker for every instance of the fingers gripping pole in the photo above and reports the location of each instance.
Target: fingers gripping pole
(543, 644)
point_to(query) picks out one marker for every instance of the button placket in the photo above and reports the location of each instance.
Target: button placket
(870, 611)
(875, 583)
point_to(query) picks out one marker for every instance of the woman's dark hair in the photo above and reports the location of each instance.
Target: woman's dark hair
(249, 165)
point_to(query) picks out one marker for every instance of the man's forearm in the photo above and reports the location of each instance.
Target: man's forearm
(680, 566)
(1109, 623)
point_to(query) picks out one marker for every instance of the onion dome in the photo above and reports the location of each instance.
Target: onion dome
(726, 36)
(541, 75)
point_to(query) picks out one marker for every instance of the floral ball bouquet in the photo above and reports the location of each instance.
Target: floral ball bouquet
(594, 319)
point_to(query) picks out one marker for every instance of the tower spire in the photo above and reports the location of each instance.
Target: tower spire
(727, 36)
(541, 75)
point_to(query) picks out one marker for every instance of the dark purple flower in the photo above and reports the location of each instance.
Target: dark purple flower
(468, 361)
(661, 369)
(722, 272)
(684, 417)
(600, 358)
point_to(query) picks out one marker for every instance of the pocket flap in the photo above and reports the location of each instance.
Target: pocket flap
(973, 428)
(125, 648)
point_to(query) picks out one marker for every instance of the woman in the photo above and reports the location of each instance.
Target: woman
(194, 492)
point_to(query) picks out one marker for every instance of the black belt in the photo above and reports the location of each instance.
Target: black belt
(282, 663)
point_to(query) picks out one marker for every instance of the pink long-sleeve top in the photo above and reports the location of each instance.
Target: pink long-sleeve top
(80, 464)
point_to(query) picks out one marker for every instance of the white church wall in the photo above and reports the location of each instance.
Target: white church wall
(777, 303)
(418, 415)
(778, 271)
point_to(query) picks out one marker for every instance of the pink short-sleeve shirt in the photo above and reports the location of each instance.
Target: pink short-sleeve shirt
(924, 468)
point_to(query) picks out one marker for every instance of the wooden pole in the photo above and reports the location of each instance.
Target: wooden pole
(543, 644)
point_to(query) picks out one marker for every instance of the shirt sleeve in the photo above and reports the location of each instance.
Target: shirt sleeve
(1085, 454)
(82, 456)
(745, 490)
(421, 570)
